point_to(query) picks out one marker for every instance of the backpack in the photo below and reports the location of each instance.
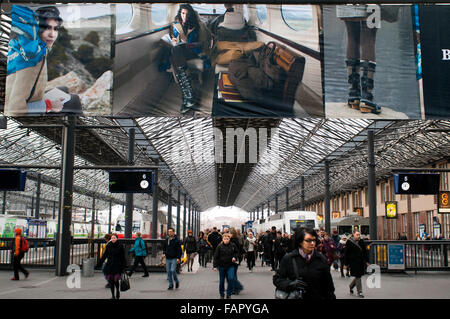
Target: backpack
(24, 245)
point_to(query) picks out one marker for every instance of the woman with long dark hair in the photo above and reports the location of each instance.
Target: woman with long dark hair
(185, 35)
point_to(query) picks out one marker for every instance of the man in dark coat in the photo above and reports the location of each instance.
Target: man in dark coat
(214, 238)
(172, 251)
(356, 258)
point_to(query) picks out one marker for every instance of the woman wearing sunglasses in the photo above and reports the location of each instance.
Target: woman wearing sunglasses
(314, 278)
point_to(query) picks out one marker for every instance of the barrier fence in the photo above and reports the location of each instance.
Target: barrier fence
(41, 253)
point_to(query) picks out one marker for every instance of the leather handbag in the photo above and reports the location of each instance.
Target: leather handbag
(124, 282)
(295, 294)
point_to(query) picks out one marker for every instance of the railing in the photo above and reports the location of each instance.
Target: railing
(431, 255)
(41, 253)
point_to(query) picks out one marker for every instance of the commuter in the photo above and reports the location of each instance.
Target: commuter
(250, 247)
(418, 237)
(279, 250)
(241, 238)
(340, 251)
(115, 265)
(404, 237)
(108, 240)
(185, 34)
(203, 249)
(336, 238)
(172, 252)
(26, 79)
(18, 252)
(225, 256)
(140, 252)
(271, 243)
(356, 258)
(190, 247)
(237, 286)
(314, 273)
(214, 238)
(329, 250)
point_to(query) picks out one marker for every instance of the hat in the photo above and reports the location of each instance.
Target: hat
(18, 231)
(189, 231)
(233, 21)
(48, 12)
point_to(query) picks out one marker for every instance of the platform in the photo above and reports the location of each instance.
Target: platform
(203, 283)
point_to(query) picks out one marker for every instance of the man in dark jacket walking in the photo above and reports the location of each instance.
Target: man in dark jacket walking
(172, 251)
(214, 238)
(190, 247)
(356, 258)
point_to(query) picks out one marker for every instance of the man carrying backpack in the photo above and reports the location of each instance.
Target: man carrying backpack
(20, 247)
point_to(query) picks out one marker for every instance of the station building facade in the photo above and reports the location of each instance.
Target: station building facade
(413, 211)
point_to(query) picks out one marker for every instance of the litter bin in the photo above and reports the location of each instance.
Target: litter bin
(88, 267)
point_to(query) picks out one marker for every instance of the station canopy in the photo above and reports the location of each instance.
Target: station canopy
(191, 155)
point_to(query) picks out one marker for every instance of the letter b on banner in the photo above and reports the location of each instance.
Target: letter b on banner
(374, 279)
(74, 279)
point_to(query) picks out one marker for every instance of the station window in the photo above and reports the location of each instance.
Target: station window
(416, 223)
(297, 17)
(405, 224)
(159, 13)
(261, 11)
(124, 15)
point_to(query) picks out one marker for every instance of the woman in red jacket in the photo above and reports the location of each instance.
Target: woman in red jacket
(18, 255)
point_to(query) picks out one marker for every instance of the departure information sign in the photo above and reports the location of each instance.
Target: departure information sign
(396, 256)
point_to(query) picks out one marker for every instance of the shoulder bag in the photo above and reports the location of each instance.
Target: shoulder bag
(296, 294)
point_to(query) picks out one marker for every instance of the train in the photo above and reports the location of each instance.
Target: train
(142, 222)
(286, 222)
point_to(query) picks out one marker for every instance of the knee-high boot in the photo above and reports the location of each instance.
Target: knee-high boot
(367, 104)
(354, 93)
(187, 91)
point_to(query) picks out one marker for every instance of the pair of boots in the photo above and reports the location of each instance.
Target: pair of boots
(360, 95)
(189, 103)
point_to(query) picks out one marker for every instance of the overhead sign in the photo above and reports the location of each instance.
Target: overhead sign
(391, 209)
(444, 202)
(131, 181)
(12, 180)
(396, 256)
(336, 214)
(416, 183)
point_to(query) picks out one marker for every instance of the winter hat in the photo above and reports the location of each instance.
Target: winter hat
(18, 231)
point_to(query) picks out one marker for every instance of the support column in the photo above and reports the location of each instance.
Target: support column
(38, 196)
(92, 237)
(4, 203)
(287, 199)
(155, 203)
(268, 208)
(63, 239)
(276, 204)
(129, 197)
(302, 195)
(372, 186)
(327, 198)
(189, 215)
(110, 215)
(169, 208)
(32, 205)
(54, 210)
(184, 217)
(178, 212)
(257, 212)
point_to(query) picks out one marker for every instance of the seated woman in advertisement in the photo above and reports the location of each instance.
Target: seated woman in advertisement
(187, 45)
(33, 35)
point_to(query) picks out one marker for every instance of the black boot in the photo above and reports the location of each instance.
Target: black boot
(187, 91)
(354, 93)
(367, 105)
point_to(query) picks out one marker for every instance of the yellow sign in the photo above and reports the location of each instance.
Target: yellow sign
(391, 210)
(444, 202)
(336, 215)
(319, 218)
(359, 210)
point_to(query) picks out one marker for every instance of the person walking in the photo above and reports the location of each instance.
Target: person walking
(115, 265)
(329, 249)
(203, 248)
(225, 256)
(279, 250)
(251, 250)
(271, 243)
(235, 240)
(108, 240)
(18, 252)
(172, 252)
(336, 238)
(356, 258)
(314, 277)
(190, 247)
(140, 252)
(214, 238)
(340, 251)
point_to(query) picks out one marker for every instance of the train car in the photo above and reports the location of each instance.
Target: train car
(287, 222)
(142, 223)
(346, 225)
(146, 83)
